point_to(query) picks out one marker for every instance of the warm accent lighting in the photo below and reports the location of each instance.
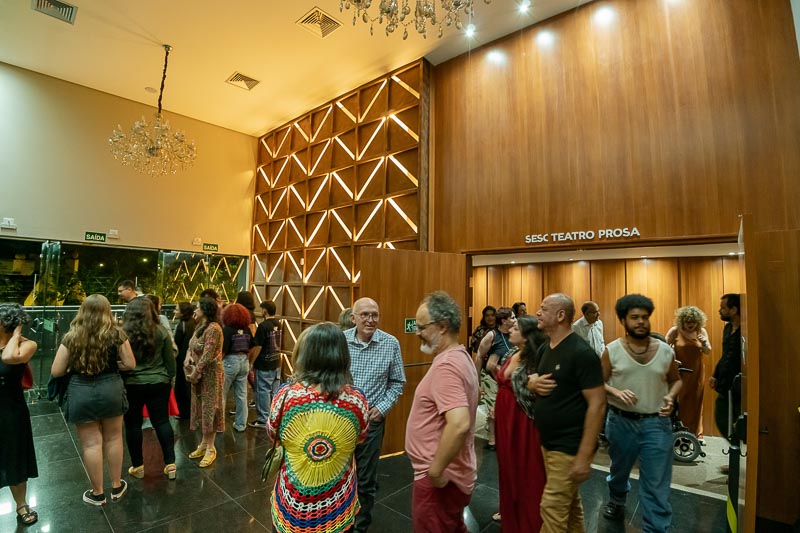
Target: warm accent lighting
(397, 13)
(524, 6)
(153, 148)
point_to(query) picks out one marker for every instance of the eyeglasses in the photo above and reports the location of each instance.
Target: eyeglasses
(421, 327)
(368, 316)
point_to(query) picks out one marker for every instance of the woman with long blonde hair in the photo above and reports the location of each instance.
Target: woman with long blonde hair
(94, 350)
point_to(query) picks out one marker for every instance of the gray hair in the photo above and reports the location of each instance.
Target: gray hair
(443, 308)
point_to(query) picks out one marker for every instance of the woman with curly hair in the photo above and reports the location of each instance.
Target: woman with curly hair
(17, 456)
(520, 464)
(95, 349)
(236, 337)
(689, 339)
(205, 372)
(149, 384)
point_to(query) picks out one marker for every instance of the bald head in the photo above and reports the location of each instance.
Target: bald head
(556, 314)
(366, 316)
(564, 303)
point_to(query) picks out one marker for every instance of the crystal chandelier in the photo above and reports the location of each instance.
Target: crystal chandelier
(152, 148)
(396, 13)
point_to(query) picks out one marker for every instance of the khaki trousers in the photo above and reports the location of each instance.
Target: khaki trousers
(561, 502)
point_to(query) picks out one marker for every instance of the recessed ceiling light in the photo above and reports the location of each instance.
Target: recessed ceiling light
(513, 262)
(151, 89)
(524, 6)
(471, 30)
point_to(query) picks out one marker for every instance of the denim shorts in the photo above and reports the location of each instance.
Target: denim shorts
(91, 398)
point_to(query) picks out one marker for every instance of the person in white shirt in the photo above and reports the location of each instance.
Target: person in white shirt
(590, 328)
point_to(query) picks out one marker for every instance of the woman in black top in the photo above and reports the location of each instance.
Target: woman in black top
(17, 456)
(95, 349)
(183, 333)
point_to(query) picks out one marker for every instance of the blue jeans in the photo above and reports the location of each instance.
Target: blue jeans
(236, 369)
(649, 440)
(267, 384)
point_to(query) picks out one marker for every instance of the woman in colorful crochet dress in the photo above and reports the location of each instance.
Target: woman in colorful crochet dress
(319, 418)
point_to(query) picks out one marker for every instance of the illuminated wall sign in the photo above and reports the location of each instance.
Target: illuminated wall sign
(588, 235)
(210, 247)
(94, 236)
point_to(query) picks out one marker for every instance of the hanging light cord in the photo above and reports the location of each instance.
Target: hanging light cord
(167, 48)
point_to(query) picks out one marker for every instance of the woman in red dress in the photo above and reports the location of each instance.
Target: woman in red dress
(519, 454)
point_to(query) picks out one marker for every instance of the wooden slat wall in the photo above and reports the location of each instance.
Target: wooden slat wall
(671, 283)
(674, 117)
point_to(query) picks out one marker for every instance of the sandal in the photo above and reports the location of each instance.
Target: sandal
(29, 517)
(136, 471)
(209, 457)
(199, 452)
(171, 471)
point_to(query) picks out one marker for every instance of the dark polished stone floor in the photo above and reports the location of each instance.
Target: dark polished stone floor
(229, 496)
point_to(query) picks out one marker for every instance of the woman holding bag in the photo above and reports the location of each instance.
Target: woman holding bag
(149, 384)
(319, 418)
(203, 368)
(17, 456)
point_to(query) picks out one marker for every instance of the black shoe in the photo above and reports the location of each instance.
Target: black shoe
(116, 494)
(614, 511)
(94, 499)
(490, 447)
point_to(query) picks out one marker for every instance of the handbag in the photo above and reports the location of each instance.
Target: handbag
(57, 388)
(190, 370)
(27, 377)
(274, 457)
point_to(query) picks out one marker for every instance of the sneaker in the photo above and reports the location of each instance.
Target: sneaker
(614, 511)
(232, 413)
(238, 430)
(251, 405)
(116, 494)
(92, 499)
(257, 424)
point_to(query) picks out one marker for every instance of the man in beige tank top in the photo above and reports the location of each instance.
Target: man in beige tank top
(642, 382)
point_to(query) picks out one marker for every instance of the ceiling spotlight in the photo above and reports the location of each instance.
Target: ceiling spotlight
(471, 30)
(524, 6)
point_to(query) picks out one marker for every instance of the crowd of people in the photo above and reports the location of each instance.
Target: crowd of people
(549, 383)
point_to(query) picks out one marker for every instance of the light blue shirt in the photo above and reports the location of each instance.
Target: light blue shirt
(377, 368)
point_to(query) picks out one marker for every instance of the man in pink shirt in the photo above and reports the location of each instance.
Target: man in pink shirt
(441, 426)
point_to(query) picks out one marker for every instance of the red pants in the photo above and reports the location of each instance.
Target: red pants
(438, 510)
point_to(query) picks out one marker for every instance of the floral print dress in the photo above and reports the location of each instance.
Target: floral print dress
(208, 403)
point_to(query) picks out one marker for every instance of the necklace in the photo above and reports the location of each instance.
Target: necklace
(630, 347)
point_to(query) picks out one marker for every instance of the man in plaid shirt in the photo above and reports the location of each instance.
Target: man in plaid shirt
(377, 368)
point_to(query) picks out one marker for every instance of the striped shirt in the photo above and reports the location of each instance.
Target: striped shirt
(377, 368)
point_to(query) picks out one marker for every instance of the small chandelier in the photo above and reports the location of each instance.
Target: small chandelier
(152, 148)
(394, 15)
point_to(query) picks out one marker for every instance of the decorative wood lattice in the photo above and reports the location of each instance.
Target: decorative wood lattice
(345, 176)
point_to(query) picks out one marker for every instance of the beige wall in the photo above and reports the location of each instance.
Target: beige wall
(58, 178)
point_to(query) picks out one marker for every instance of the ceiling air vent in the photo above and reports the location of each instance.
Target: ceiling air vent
(54, 8)
(240, 80)
(319, 23)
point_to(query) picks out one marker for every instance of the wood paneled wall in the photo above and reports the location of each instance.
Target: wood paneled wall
(673, 117)
(671, 283)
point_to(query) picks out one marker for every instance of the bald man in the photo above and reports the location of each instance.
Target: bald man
(570, 406)
(377, 368)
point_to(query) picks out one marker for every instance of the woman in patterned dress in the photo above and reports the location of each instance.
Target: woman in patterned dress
(319, 418)
(205, 352)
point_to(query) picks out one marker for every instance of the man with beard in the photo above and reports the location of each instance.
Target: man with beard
(377, 369)
(570, 405)
(642, 382)
(729, 365)
(441, 426)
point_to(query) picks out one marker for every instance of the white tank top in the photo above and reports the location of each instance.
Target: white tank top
(647, 381)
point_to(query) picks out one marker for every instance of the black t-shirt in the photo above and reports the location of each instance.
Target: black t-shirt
(730, 364)
(235, 341)
(560, 416)
(268, 336)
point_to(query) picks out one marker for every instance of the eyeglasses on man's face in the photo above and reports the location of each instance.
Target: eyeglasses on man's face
(369, 316)
(421, 327)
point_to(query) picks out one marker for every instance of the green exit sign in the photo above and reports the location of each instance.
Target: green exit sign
(94, 236)
(411, 325)
(210, 247)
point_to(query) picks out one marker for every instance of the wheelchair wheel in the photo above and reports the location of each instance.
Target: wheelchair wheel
(685, 447)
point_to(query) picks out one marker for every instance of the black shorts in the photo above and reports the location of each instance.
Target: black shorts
(91, 398)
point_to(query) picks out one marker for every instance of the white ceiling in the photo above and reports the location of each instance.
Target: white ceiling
(115, 46)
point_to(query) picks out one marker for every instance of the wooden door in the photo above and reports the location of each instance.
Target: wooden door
(398, 280)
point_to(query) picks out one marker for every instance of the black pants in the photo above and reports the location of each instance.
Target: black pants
(721, 412)
(367, 457)
(183, 391)
(156, 398)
